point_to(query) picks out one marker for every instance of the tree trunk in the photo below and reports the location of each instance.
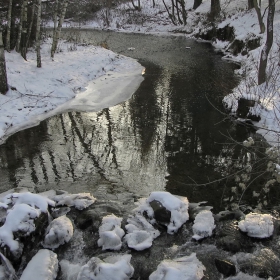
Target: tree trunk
(258, 10)
(38, 31)
(57, 33)
(268, 43)
(215, 8)
(54, 26)
(250, 4)
(24, 31)
(3, 73)
(30, 25)
(18, 44)
(9, 21)
(196, 4)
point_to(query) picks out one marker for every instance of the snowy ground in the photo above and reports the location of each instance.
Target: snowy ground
(84, 78)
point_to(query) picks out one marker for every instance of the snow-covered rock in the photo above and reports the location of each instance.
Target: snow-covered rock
(20, 218)
(110, 233)
(112, 268)
(140, 234)
(185, 268)
(177, 206)
(34, 200)
(79, 201)
(69, 270)
(203, 225)
(43, 266)
(257, 225)
(59, 232)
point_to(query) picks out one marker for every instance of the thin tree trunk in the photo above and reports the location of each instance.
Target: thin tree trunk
(258, 10)
(38, 31)
(3, 73)
(54, 26)
(57, 33)
(18, 45)
(171, 16)
(30, 25)
(250, 4)
(215, 8)
(268, 43)
(24, 32)
(9, 21)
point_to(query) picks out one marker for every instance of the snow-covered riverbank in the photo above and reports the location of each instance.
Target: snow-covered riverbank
(83, 78)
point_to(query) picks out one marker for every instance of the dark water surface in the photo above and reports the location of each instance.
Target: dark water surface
(166, 137)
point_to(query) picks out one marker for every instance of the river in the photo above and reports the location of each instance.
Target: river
(169, 136)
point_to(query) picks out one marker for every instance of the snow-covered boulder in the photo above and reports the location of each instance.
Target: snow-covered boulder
(79, 201)
(110, 233)
(43, 266)
(185, 268)
(140, 234)
(34, 200)
(165, 203)
(59, 232)
(203, 224)
(114, 268)
(19, 219)
(257, 225)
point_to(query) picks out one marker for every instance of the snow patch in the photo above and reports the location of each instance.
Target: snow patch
(203, 225)
(257, 225)
(188, 267)
(43, 266)
(59, 232)
(110, 233)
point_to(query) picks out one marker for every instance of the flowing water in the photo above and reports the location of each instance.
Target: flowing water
(168, 136)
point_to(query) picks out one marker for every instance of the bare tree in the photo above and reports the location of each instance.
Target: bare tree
(178, 14)
(38, 31)
(268, 43)
(136, 7)
(9, 21)
(3, 73)
(24, 31)
(260, 19)
(59, 26)
(30, 24)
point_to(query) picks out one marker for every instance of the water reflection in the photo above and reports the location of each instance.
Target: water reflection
(168, 136)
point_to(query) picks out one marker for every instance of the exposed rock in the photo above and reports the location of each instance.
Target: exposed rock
(161, 214)
(230, 238)
(264, 263)
(225, 267)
